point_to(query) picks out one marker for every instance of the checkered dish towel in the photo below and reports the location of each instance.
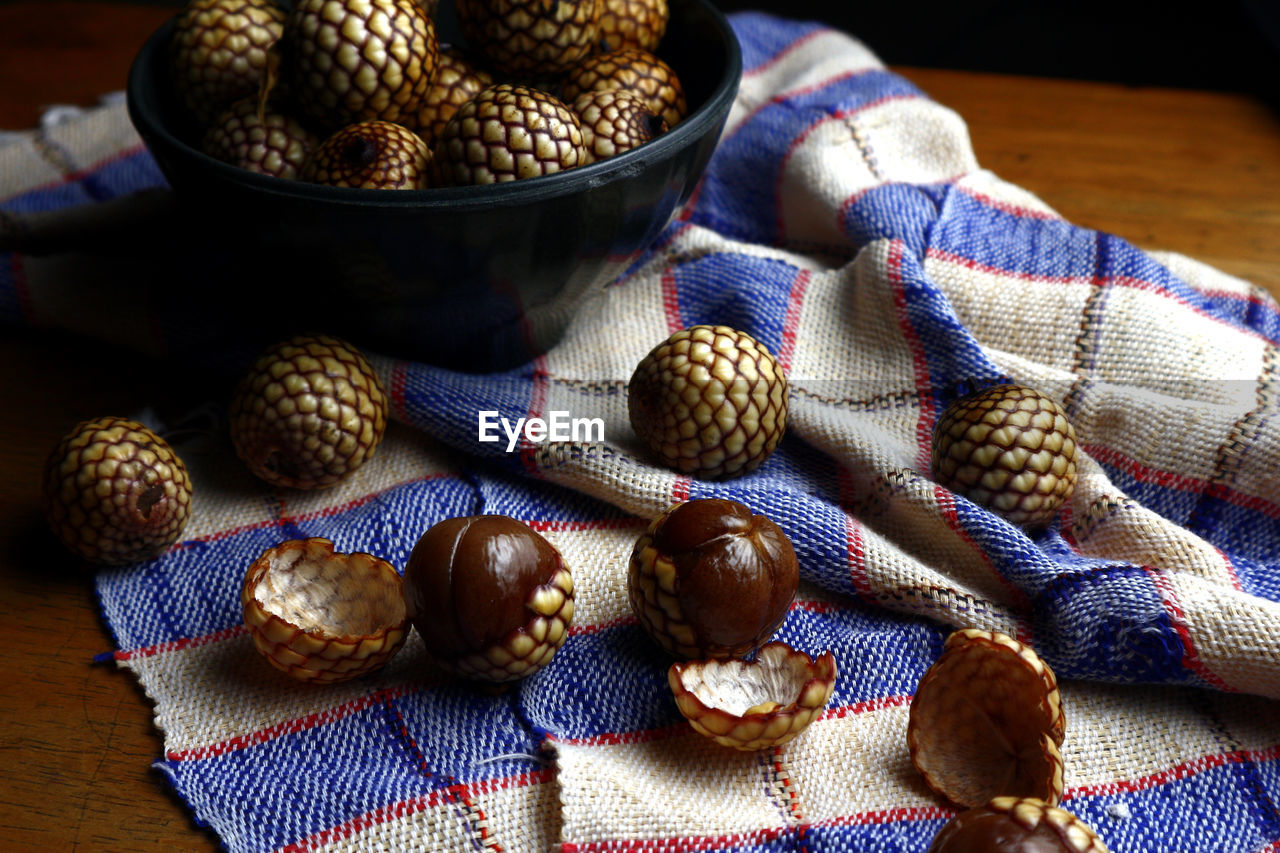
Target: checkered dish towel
(844, 222)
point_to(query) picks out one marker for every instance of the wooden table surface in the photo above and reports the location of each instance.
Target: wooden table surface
(1192, 172)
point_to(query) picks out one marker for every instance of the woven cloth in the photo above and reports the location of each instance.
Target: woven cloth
(845, 222)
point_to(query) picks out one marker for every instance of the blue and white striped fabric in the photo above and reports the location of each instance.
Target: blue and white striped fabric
(845, 223)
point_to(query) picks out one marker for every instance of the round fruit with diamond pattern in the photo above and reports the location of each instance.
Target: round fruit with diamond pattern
(491, 597)
(530, 37)
(633, 23)
(378, 155)
(269, 143)
(115, 492)
(635, 71)
(615, 121)
(507, 133)
(710, 401)
(347, 61)
(456, 82)
(220, 50)
(1016, 825)
(709, 578)
(308, 413)
(1009, 448)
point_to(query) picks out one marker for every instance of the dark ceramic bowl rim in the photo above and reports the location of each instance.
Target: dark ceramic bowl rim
(140, 94)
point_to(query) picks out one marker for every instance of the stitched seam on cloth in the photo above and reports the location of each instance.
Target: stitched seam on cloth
(1178, 618)
(782, 791)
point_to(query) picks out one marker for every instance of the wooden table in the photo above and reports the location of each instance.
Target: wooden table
(1192, 172)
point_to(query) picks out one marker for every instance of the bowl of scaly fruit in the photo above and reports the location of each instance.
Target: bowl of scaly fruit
(446, 182)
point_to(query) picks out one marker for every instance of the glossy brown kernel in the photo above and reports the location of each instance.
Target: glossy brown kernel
(1009, 448)
(308, 413)
(987, 721)
(633, 23)
(220, 51)
(347, 61)
(1016, 825)
(614, 121)
(267, 142)
(709, 401)
(522, 37)
(507, 133)
(635, 71)
(115, 492)
(321, 616)
(711, 579)
(492, 598)
(756, 704)
(376, 155)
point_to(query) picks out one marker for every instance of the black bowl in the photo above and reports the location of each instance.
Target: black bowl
(475, 278)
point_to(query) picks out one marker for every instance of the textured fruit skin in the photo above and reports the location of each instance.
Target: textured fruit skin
(347, 61)
(371, 155)
(115, 492)
(220, 51)
(986, 721)
(614, 121)
(270, 144)
(710, 579)
(455, 83)
(321, 616)
(1016, 825)
(765, 724)
(710, 401)
(506, 133)
(530, 37)
(492, 598)
(1009, 448)
(633, 23)
(635, 71)
(308, 413)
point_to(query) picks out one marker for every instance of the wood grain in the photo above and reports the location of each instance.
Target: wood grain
(1185, 171)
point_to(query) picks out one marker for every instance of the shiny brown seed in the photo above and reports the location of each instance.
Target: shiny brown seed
(376, 155)
(456, 82)
(524, 37)
(115, 492)
(507, 133)
(322, 616)
(220, 49)
(308, 413)
(347, 61)
(491, 597)
(709, 401)
(1016, 825)
(633, 23)
(756, 704)
(1009, 448)
(270, 143)
(615, 121)
(637, 72)
(711, 579)
(986, 721)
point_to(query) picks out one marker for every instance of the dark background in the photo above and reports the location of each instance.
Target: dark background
(1230, 45)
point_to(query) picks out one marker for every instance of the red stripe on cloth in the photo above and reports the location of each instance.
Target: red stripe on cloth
(21, 288)
(1007, 207)
(671, 301)
(1184, 770)
(855, 547)
(1106, 281)
(399, 371)
(601, 524)
(784, 53)
(919, 364)
(180, 644)
(680, 488)
(1230, 568)
(791, 322)
(1178, 618)
(414, 805)
(838, 116)
(946, 503)
(288, 727)
(84, 172)
(537, 408)
(1180, 482)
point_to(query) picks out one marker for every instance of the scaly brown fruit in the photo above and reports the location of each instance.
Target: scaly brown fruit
(530, 37)
(635, 71)
(220, 50)
(376, 155)
(615, 121)
(269, 143)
